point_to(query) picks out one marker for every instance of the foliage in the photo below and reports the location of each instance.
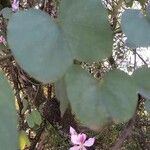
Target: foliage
(86, 28)
(34, 118)
(45, 46)
(8, 125)
(112, 97)
(45, 59)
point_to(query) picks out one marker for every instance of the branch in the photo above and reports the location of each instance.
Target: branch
(135, 52)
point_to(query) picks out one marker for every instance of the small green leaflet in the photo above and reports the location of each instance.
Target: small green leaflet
(34, 118)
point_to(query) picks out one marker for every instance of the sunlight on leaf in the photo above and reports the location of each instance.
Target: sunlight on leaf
(23, 140)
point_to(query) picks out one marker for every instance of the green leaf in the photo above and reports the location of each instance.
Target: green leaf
(136, 27)
(38, 45)
(8, 117)
(23, 140)
(6, 12)
(96, 102)
(86, 28)
(34, 118)
(30, 121)
(142, 78)
(61, 94)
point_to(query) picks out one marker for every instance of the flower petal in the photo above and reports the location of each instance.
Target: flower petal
(15, 5)
(82, 137)
(74, 139)
(89, 142)
(72, 131)
(75, 148)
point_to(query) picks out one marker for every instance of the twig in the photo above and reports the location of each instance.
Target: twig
(134, 59)
(140, 57)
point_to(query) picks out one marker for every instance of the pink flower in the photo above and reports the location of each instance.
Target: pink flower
(79, 140)
(2, 40)
(15, 5)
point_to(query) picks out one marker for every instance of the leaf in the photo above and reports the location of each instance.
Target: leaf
(8, 117)
(30, 121)
(96, 102)
(23, 140)
(34, 118)
(142, 77)
(61, 94)
(38, 45)
(136, 27)
(86, 28)
(6, 12)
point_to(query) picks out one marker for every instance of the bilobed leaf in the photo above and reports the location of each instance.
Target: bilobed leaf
(8, 117)
(86, 28)
(38, 45)
(136, 27)
(142, 79)
(95, 102)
